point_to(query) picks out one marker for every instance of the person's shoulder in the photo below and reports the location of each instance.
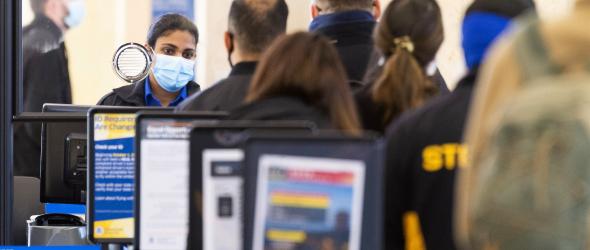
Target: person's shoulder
(39, 39)
(235, 83)
(426, 117)
(125, 89)
(204, 100)
(217, 87)
(281, 108)
(36, 32)
(117, 96)
(193, 87)
(221, 94)
(196, 102)
(109, 99)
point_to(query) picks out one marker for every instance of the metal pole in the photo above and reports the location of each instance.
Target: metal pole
(5, 119)
(10, 75)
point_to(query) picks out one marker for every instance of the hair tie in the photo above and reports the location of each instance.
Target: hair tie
(404, 42)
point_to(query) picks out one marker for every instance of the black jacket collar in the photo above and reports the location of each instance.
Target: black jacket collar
(135, 93)
(350, 34)
(244, 68)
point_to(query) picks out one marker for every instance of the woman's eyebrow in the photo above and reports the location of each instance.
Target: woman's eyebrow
(170, 45)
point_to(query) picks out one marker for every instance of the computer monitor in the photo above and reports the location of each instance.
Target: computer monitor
(216, 180)
(63, 154)
(162, 177)
(313, 192)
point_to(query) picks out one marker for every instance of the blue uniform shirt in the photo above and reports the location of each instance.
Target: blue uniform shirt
(152, 101)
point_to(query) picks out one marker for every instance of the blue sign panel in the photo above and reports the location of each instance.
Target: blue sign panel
(183, 7)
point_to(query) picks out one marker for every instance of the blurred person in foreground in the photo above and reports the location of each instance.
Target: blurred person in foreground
(425, 149)
(565, 41)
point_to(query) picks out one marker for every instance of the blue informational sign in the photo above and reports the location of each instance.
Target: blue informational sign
(114, 172)
(183, 7)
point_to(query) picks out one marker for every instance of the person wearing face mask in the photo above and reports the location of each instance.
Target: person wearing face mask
(252, 26)
(173, 41)
(45, 73)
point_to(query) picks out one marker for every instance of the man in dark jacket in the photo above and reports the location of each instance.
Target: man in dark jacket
(425, 146)
(45, 71)
(252, 27)
(350, 24)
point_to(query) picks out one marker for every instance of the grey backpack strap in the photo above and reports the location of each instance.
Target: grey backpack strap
(532, 54)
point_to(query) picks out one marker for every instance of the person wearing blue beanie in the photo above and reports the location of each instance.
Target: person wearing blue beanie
(425, 149)
(484, 22)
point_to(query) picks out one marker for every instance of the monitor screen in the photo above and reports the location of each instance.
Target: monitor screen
(309, 193)
(162, 178)
(307, 200)
(63, 154)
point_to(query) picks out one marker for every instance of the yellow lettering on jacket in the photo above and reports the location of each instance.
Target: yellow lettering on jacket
(413, 232)
(448, 156)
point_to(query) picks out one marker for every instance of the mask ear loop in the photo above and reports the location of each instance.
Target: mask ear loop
(152, 55)
(230, 49)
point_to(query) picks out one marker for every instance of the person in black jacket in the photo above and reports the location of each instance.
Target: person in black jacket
(409, 36)
(253, 26)
(424, 147)
(301, 77)
(349, 24)
(173, 40)
(46, 77)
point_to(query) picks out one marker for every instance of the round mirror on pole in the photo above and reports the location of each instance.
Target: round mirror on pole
(132, 62)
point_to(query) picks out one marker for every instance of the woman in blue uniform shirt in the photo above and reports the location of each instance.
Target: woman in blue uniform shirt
(173, 40)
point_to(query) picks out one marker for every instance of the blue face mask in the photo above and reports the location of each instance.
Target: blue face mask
(172, 72)
(77, 10)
